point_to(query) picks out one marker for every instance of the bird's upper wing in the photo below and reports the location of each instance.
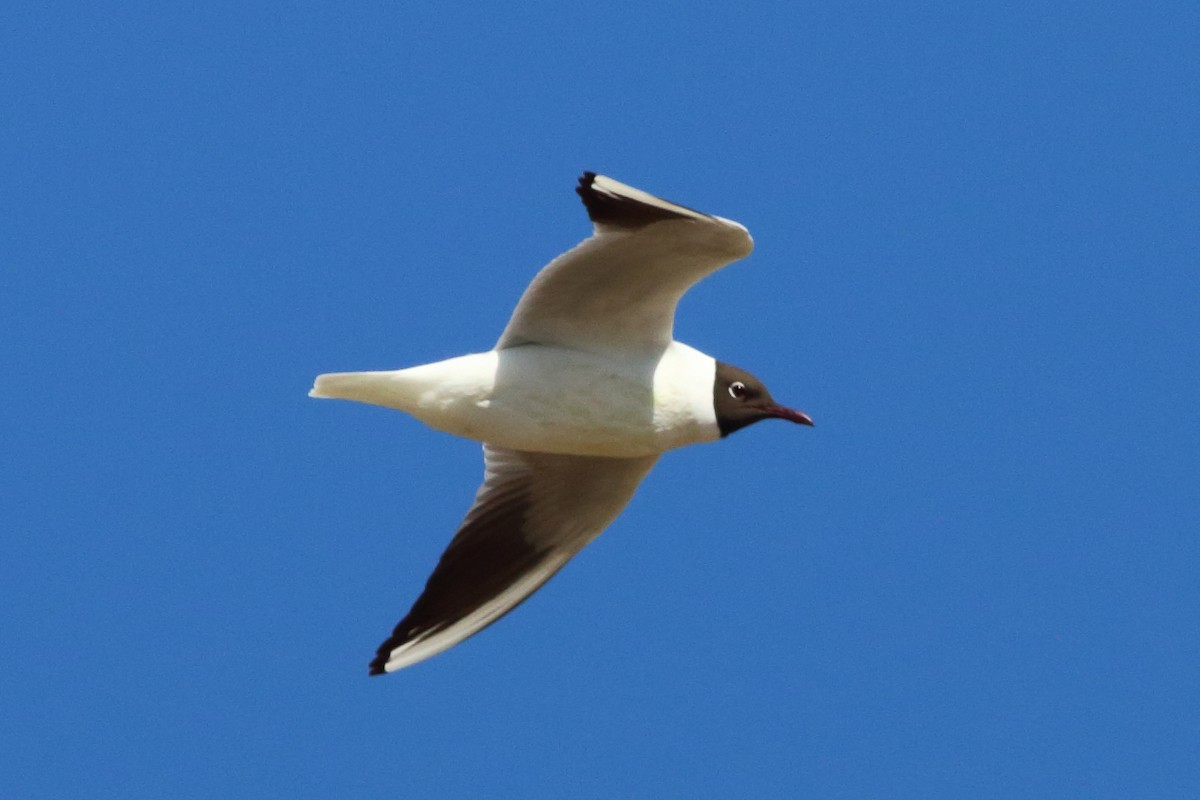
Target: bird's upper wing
(617, 290)
(533, 512)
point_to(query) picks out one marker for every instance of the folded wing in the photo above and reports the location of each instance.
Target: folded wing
(533, 512)
(617, 290)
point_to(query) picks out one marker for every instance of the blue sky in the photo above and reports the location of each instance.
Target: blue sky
(976, 267)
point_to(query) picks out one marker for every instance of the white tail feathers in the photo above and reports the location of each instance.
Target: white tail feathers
(377, 388)
(447, 395)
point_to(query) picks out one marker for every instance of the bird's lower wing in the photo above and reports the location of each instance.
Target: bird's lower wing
(533, 512)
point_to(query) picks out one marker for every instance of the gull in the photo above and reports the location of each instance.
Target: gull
(583, 392)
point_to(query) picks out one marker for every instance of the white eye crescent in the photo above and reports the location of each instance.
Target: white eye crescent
(737, 390)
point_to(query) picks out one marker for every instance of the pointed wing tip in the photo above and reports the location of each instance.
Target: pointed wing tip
(386, 652)
(378, 665)
(610, 203)
(589, 195)
(614, 205)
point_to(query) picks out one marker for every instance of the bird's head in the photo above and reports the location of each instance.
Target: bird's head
(740, 399)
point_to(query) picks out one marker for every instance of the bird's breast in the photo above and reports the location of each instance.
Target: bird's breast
(557, 400)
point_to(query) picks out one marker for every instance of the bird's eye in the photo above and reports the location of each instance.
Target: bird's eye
(737, 390)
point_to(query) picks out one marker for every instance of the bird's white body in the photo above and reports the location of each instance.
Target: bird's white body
(552, 399)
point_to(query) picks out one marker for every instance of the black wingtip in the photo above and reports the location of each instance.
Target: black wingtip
(379, 662)
(585, 190)
(617, 209)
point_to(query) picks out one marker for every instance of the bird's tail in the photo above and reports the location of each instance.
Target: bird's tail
(377, 388)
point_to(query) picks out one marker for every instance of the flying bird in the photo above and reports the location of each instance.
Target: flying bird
(583, 392)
